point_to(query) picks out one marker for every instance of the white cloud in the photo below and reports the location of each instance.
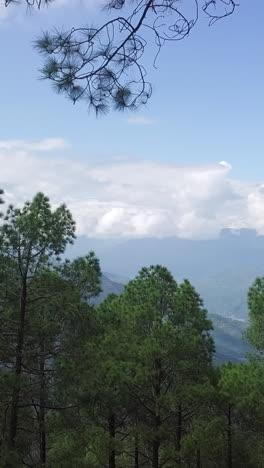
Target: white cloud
(14, 10)
(140, 120)
(48, 144)
(133, 198)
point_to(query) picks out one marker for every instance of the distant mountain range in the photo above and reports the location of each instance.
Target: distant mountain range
(227, 333)
(109, 287)
(222, 269)
(229, 341)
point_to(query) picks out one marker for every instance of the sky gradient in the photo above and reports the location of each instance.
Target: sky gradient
(207, 107)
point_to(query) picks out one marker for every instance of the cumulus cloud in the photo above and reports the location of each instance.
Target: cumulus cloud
(47, 144)
(132, 198)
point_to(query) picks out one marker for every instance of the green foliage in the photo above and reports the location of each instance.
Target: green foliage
(127, 383)
(255, 331)
(136, 339)
(40, 299)
(242, 386)
(35, 232)
(84, 274)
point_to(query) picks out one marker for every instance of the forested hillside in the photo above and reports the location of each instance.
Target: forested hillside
(230, 342)
(132, 293)
(221, 269)
(123, 381)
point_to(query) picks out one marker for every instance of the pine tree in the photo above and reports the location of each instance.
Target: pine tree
(30, 240)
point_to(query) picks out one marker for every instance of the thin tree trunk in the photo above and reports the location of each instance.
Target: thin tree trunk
(179, 428)
(156, 444)
(198, 459)
(42, 415)
(157, 421)
(179, 433)
(112, 453)
(18, 365)
(229, 438)
(136, 452)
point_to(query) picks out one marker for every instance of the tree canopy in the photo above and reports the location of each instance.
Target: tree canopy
(128, 383)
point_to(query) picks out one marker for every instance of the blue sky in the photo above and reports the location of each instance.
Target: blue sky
(208, 100)
(207, 103)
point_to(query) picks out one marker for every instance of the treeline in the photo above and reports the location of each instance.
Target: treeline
(126, 384)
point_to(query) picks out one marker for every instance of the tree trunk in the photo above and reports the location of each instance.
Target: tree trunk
(42, 401)
(157, 420)
(229, 438)
(179, 428)
(136, 452)
(18, 365)
(156, 444)
(179, 433)
(112, 454)
(198, 459)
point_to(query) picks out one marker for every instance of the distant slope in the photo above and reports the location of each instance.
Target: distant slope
(229, 341)
(116, 278)
(221, 269)
(223, 294)
(226, 292)
(185, 258)
(227, 333)
(109, 287)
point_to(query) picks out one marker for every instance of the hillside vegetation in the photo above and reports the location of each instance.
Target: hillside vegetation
(120, 378)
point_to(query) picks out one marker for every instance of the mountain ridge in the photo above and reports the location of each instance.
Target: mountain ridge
(221, 269)
(227, 332)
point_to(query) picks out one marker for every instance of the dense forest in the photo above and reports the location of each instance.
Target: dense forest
(127, 383)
